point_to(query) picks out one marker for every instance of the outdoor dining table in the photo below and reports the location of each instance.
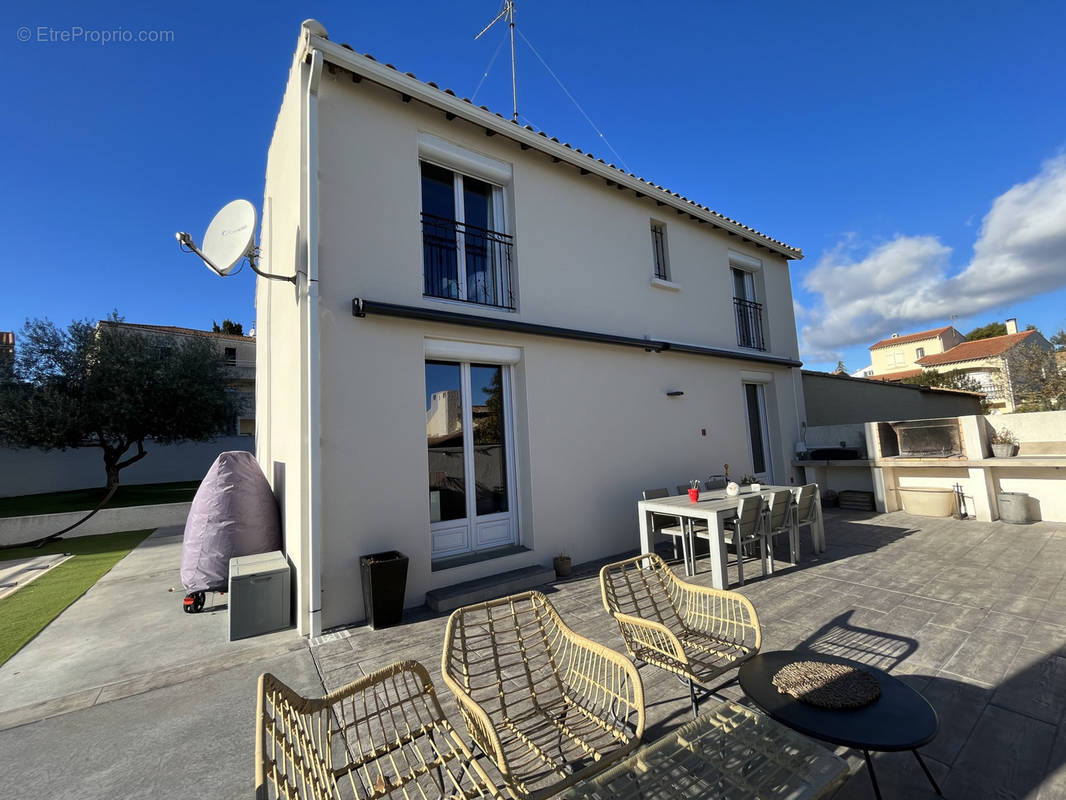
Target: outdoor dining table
(714, 507)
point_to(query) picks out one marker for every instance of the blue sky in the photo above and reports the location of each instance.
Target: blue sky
(888, 142)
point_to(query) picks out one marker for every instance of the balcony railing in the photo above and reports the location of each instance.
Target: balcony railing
(484, 257)
(749, 324)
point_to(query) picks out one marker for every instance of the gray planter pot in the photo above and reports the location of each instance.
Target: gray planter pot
(1003, 450)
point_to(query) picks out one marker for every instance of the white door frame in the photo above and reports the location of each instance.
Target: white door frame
(766, 476)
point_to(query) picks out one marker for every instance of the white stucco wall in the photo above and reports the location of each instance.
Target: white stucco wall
(280, 334)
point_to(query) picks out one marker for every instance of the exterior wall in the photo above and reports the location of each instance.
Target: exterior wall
(281, 339)
(593, 427)
(36, 471)
(582, 253)
(838, 400)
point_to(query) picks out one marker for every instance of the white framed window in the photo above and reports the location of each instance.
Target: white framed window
(896, 359)
(660, 254)
(919, 353)
(466, 239)
(746, 306)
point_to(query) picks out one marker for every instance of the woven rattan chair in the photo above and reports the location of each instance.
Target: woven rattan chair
(381, 736)
(695, 632)
(548, 707)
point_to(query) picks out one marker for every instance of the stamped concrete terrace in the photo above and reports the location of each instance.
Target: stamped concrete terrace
(971, 614)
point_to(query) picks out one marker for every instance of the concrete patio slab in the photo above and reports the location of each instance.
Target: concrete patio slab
(126, 635)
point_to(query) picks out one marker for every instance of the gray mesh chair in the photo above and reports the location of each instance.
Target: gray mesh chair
(806, 512)
(779, 522)
(747, 527)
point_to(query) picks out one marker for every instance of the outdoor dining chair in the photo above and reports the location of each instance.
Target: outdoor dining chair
(779, 521)
(668, 525)
(547, 706)
(805, 513)
(746, 528)
(693, 631)
(384, 735)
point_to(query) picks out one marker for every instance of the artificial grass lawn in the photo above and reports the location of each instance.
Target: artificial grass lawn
(31, 608)
(145, 494)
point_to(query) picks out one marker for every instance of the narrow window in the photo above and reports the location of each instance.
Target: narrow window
(231, 356)
(919, 353)
(658, 244)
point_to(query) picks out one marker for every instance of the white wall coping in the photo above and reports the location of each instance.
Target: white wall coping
(14, 530)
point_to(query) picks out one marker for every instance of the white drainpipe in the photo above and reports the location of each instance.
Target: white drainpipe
(310, 226)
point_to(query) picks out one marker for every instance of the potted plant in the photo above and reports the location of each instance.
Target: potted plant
(751, 482)
(563, 565)
(1003, 442)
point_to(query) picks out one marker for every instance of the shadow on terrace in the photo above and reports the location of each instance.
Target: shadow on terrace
(968, 613)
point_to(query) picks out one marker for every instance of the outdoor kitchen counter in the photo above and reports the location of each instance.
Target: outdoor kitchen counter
(1054, 462)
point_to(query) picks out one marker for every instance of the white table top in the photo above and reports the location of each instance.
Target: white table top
(710, 502)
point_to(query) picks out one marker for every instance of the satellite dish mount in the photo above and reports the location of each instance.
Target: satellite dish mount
(230, 239)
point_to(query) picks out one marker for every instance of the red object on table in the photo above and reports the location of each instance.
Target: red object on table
(693, 495)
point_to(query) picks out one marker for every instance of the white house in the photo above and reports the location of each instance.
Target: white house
(495, 340)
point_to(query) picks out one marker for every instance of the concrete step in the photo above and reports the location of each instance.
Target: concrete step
(449, 598)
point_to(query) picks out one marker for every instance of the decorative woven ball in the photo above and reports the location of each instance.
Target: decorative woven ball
(827, 685)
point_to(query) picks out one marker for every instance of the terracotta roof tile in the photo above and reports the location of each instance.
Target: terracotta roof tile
(185, 331)
(912, 337)
(981, 348)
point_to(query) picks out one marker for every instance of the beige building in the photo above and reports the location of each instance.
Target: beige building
(989, 362)
(495, 340)
(898, 356)
(238, 353)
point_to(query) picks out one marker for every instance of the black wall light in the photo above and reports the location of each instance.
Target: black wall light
(675, 393)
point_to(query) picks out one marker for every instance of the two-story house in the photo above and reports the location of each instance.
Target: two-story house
(899, 357)
(495, 340)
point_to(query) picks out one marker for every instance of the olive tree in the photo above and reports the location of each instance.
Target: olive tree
(113, 388)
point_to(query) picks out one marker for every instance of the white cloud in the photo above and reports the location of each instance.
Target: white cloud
(1019, 253)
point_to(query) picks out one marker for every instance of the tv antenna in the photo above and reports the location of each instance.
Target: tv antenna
(508, 12)
(230, 238)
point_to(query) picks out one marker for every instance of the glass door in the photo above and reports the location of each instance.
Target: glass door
(471, 465)
(758, 432)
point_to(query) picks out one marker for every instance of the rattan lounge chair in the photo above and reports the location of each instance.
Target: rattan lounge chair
(381, 736)
(693, 631)
(548, 707)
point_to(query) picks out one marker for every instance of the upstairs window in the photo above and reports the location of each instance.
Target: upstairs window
(919, 353)
(466, 254)
(658, 246)
(230, 355)
(748, 310)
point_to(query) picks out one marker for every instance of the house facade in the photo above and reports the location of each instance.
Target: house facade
(495, 341)
(995, 364)
(898, 356)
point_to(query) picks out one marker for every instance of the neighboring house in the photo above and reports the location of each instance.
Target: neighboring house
(495, 340)
(238, 352)
(898, 356)
(988, 361)
(865, 372)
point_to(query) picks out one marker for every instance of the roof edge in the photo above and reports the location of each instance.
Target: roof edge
(407, 84)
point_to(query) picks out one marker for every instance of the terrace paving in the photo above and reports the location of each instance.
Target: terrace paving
(123, 695)
(971, 614)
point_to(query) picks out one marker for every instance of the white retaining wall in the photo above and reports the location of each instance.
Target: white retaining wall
(35, 471)
(15, 530)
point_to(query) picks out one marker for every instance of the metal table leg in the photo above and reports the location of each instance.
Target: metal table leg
(928, 774)
(873, 776)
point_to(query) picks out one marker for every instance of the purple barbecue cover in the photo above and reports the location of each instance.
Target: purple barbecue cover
(234, 513)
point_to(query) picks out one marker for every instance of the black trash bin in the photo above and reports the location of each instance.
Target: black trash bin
(384, 581)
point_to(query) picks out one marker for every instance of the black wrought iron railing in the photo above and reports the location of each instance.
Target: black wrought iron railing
(467, 263)
(749, 324)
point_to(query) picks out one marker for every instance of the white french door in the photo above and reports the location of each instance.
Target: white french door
(471, 457)
(758, 431)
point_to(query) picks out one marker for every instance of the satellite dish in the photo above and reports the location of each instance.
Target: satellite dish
(230, 236)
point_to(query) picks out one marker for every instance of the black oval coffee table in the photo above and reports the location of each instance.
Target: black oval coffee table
(900, 719)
